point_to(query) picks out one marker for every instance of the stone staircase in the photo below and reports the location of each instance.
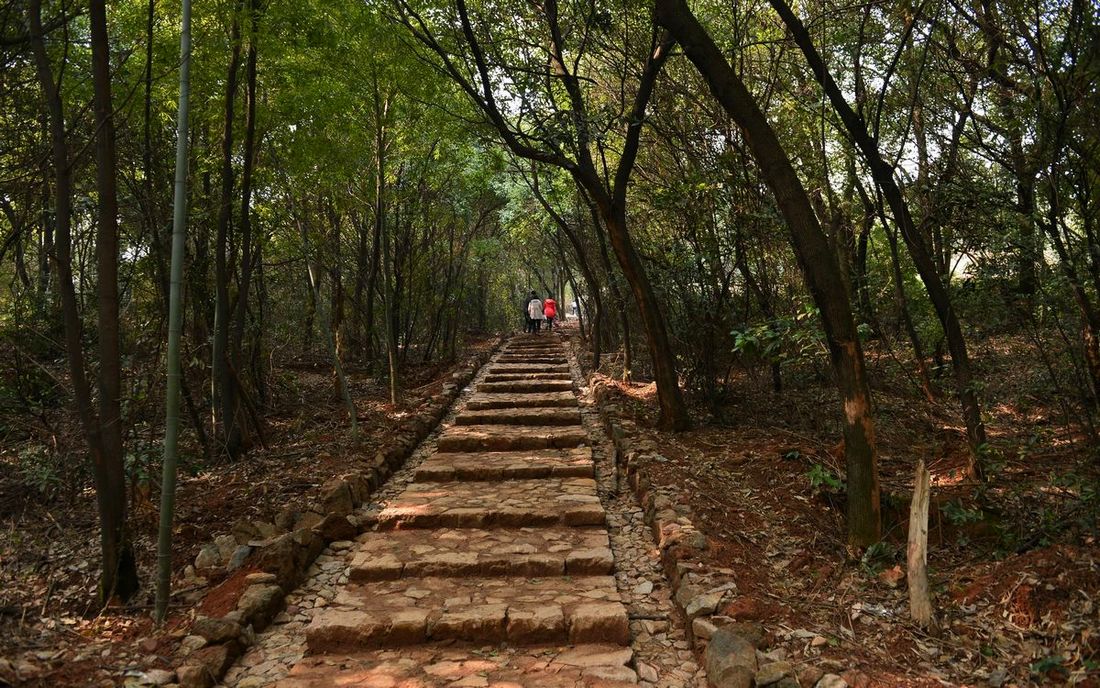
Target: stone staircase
(493, 567)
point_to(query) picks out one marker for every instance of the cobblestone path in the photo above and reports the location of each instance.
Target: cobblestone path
(487, 562)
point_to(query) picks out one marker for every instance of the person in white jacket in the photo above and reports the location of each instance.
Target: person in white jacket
(534, 312)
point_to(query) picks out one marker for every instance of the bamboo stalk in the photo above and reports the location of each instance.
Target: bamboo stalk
(175, 319)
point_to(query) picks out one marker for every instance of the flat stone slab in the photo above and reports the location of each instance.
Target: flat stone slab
(508, 437)
(511, 504)
(526, 386)
(536, 463)
(520, 416)
(532, 358)
(507, 377)
(521, 400)
(499, 368)
(535, 340)
(451, 552)
(519, 611)
(439, 665)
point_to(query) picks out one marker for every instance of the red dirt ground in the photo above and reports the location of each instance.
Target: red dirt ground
(1032, 614)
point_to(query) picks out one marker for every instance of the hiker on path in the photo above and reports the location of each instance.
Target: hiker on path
(527, 313)
(549, 309)
(534, 313)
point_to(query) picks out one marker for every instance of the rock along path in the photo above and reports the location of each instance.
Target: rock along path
(488, 560)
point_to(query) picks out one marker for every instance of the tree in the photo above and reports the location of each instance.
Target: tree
(551, 122)
(817, 261)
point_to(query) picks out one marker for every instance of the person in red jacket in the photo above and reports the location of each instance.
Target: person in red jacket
(549, 309)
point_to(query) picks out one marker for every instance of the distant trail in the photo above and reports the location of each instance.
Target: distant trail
(489, 563)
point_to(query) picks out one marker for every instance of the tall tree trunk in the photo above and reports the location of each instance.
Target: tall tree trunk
(336, 298)
(613, 286)
(224, 390)
(156, 240)
(247, 261)
(61, 158)
(362, 265)
(372, 282)
(389, 288)
(119, 567)
(313, 274)
(46, 241)
(900, 296)
(817, 261)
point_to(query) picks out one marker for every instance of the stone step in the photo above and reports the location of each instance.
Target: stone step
(526, 386)
(550, 348)
(519, 611)
(509, 504)
(534, 360)
(490, 438)
(535, 349)
(446, 664)
(525, 465)
(508, 377)
(495, 400)
(534, 341)
(452, 553)
(523, 416)
(505, 368)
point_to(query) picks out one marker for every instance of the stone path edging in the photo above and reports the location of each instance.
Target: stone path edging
(697, 594)
(214, 643)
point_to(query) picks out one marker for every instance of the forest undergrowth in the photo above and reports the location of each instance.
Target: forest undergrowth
(1014, 563)
(52, 632)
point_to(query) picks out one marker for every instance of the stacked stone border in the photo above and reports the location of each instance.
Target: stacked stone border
(273, 566)
(731, 650)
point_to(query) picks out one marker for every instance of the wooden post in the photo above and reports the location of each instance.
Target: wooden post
(920, 601)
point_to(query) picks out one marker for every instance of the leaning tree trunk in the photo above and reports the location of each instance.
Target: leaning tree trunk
(815, 257)
(883, 174)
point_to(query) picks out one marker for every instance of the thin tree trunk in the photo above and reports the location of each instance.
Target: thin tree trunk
(902, 300)
(312, 273)
(224, 391)
(336, 298)
(249, 158)
(147, 204)
(613, 286)
(389, 289)
(1090, 319)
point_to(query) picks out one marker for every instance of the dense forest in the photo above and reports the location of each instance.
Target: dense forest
(871, 227)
